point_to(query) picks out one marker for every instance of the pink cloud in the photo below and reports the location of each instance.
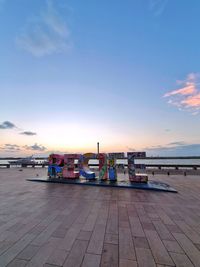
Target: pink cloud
(187, 90)
(188, 96)
(192, 101)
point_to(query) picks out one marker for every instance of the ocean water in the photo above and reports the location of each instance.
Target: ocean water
(159, 161)
(166, 161)
(6, 161)
(143, 161)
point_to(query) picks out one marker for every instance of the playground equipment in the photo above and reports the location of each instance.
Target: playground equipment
(63, 166)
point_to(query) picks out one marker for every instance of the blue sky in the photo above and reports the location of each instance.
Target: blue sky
(124, 73)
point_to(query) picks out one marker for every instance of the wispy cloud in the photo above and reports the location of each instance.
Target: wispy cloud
(187, 97)
(178, 148)
(7, 125)
(187, 90)
(157, 6)
(46, 33)
(16, 148)
(10, 148)
(35, 147)
(131, 149)
(29, 133)
(177, 143)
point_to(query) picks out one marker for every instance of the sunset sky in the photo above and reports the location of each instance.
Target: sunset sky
(124, 73)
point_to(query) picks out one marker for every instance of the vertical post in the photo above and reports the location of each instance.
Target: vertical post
(98, 148)
(98, 155)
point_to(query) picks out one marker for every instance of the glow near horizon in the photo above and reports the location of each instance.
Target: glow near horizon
(76, 77)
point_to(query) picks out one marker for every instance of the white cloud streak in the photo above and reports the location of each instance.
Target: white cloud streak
(46, 33)
(158, 6)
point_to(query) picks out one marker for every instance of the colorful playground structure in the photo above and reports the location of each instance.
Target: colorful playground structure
(75, 166)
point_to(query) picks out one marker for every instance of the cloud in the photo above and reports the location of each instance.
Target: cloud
(178, 148)
(10, 125)
(178, 143)
(16, 148)
(7, 125)
(192, 101)
(35, 147)
(131, 149)
(157, 6)
(188, 96)
(187, 90)
(10, 148)
(45, 34)
(29, 133)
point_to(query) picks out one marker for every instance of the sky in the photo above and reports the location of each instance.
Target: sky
(125, 74)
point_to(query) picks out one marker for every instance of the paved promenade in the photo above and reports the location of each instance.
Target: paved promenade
(55, 225)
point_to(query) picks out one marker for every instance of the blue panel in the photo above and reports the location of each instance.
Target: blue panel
(112, 174)
(89, 175)
(54, 170)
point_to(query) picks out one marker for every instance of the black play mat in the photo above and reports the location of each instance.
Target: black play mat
(150, 185)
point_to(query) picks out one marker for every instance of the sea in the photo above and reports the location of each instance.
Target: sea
(142, 161)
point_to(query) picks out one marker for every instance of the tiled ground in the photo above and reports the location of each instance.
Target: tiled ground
(68, 225)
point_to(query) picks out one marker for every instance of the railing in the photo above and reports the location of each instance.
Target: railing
(24, 165)
(152, 158)
(151, 168)
(172, 166)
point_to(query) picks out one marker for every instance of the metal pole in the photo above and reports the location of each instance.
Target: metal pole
(98, 148)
